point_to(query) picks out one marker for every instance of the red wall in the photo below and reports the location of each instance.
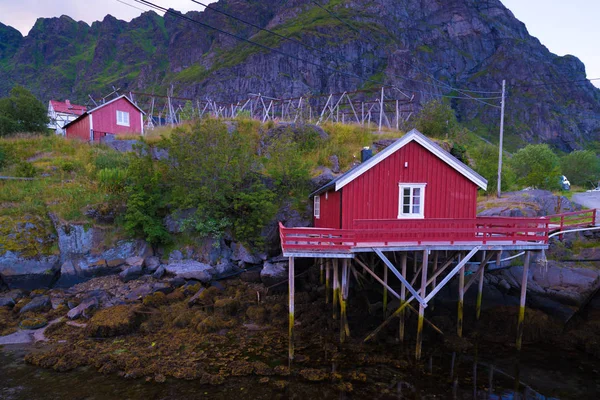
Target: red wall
(79, 129)
(330, 211)
(105, 118)
(375, 194)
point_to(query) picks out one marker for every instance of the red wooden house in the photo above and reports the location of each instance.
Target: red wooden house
(413, 193)
(117, 117)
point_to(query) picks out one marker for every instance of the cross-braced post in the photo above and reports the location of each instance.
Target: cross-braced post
(421, 305)
(291, 309)
(461, 296)
(327, 285)
(403, 258)
(480, 287)
(336, 289)
(522, 301)
(385, 292)
(321, 278)
(435, 267)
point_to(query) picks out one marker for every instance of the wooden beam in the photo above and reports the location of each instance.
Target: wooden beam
(291, 309)
(385, 291)
(401, 278)
(336, 289)
(327, 285)
(461, 296)
(421, 306)
(524, 279)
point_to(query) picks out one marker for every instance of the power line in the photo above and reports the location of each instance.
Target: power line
(131, 5)
(556, 83)
(184, 17)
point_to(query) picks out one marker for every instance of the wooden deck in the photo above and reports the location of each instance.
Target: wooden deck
(489, 233)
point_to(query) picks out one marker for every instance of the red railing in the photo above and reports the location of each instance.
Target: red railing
(575, 219)
(367, 233)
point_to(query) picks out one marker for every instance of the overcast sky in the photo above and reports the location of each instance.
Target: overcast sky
(565, 27)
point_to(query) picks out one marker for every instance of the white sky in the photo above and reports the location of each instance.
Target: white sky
(565, 27)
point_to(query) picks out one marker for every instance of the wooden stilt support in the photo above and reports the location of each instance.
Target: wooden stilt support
(435, 267)
(344, 328)
(402, 297)
(321, 278)
(385, 290)
(291, 309)
(327, 283)
(523, 298)
(461, 295)
(336, 289)
(421, 306)
(480, 287)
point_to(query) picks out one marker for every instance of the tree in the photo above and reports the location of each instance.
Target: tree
(485, 158)
(22, 112)
(581, 167)
(437, 119)
(536, 165)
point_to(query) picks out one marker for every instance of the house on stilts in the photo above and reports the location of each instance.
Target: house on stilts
(413, 198)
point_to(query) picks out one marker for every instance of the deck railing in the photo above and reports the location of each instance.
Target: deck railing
(575, 219)
(367, 233)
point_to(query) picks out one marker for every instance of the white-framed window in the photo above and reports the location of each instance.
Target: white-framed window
(317, 207)
(412, 200)
(122, 118)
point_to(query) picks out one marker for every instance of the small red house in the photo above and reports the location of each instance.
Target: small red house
(116, 117)
(414, 178)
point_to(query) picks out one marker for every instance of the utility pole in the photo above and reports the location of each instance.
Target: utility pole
(501, 137)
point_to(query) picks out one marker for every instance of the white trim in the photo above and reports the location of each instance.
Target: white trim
(142, 123)
(412, 187)
(423, 141)
(116, 99)
(124, 120)
(91, 128)
(317, 207)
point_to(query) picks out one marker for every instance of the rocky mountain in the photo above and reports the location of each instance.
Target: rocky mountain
(423, 47)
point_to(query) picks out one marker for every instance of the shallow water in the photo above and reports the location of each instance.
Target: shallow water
(541, 374)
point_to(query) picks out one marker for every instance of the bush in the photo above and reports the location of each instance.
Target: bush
(536, 165)
(108, 159)
(485, 158)
(112, 180)
(3, 158)
(581, 167)
(437, 119)
(26, 170)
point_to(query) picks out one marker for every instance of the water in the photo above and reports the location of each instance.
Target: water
(538, 373)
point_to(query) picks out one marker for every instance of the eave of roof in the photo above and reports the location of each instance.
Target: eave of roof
(413, 135)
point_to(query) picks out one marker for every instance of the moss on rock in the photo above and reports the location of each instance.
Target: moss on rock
(114, 321)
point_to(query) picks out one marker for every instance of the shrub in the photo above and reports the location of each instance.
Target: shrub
(536, 165)
(112, 180)
(26, 170)
(581, 167)
(105, 159)
(22, 112)
(485, 158)
(437, 119)
(3, 158)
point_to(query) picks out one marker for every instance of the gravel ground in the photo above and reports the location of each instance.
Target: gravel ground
(589, 200)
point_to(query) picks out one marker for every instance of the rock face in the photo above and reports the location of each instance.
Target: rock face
(28, 273)
(437, 45)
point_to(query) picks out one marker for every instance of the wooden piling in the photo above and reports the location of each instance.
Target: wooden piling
(435, 267)
(321, 278)
(403, 259)
(344, 329)
(421, 306)
(327, 283)
(480, 287)
(523, 298)
(291, 309)
(385, 291)
(336, 289)
(461, 295)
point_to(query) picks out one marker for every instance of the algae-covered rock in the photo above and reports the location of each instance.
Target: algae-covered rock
(226, 307)
(314, 375)
(257, 314)
(40, 303)
(114, 321)
(33, 323)
(213, 323)
(155, 299)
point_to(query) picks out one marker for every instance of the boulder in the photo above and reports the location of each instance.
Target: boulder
(135, 261)
(7, 301)
(240, 253)
(131, 273)
(190, 269)
(28, 273)
(160, 271)
(152, 263)
(273, 273)
(40, 303)
(252, 276)
(84, 306)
